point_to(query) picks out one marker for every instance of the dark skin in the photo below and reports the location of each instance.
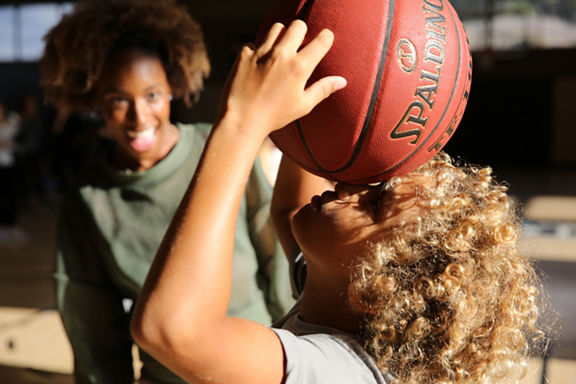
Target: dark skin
(134, 97)
(185, 297)
(180, 318)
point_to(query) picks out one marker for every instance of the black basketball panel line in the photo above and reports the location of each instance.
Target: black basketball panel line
(409, 157)
(370, 111)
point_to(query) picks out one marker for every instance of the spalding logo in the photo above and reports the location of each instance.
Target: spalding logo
(406, 55)
(415, 119)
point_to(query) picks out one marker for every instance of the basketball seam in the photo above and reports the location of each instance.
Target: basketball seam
(458, 35)
(370, 111)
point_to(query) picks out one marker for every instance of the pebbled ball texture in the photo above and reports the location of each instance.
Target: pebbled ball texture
(409, 68)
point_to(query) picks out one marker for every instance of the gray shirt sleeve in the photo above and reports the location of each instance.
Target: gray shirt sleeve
(326, 358)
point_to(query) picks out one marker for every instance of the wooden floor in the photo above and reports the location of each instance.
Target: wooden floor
(33, 345)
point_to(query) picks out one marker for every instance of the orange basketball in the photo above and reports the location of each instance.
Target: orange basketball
(409, 69)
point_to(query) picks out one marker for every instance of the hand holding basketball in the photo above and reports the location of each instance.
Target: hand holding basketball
(269, 83)
(408, 67)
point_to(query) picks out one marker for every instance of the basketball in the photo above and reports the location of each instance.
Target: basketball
(409, 68)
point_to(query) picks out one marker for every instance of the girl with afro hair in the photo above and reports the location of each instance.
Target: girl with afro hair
(126, 60)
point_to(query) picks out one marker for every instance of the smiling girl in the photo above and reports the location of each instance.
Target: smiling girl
(128, 60)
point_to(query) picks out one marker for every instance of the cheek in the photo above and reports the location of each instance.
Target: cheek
(113, 117)
(161, 110)
(309, 229)
(329, 231)
(300, 223)
(115, 131)
(117, 117)
(114, 122)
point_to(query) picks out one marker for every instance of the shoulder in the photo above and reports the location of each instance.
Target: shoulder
(327, 358)
(194, 131)
(193, 138)
(318, 354)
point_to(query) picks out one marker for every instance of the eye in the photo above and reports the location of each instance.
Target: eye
(153, 96)
(116, 102)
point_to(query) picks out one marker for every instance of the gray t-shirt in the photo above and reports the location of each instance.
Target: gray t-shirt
(316, 354)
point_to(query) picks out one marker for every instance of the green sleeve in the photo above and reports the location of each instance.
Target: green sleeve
(91, 309)
(273, 276)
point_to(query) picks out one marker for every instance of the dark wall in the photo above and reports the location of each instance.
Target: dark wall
(511, 119)
(507, 122)
(18, 80)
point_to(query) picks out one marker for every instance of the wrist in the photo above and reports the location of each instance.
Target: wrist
(245, 128)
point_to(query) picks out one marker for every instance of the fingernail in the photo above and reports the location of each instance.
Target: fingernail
(339, 83)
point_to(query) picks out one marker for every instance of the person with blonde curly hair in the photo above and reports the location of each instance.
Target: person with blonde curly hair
(448, 296)
(126, 60)
(414, 280)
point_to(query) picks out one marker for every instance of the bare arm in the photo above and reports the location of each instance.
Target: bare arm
(293, 189)
(180, 317)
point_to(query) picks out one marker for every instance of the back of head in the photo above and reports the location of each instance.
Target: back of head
(78, 47)
(450, 299)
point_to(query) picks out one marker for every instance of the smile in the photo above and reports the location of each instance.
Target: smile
(144, 140)
(146, 133)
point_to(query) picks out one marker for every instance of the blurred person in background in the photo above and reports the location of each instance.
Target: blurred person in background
(9, 127)
(32, 154)
(126, 60)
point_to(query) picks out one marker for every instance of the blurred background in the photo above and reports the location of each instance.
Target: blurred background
(519, 120)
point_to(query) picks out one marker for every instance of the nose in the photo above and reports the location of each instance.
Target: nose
(139, 113)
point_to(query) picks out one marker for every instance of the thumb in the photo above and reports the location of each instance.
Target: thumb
(323, 88)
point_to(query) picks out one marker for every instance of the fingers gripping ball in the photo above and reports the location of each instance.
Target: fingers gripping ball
(408, 67)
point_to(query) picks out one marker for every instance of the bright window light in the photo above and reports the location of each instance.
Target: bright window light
(22, 29)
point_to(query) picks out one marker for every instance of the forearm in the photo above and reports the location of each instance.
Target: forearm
(180, 317)
(190, 278)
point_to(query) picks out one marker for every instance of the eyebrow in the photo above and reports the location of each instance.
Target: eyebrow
(153, 86)
(118, 90)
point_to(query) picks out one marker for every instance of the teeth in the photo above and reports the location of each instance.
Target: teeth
(148, 132)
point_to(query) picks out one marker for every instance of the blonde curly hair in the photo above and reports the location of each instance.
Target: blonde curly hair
(78, 47)
(449, 297)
